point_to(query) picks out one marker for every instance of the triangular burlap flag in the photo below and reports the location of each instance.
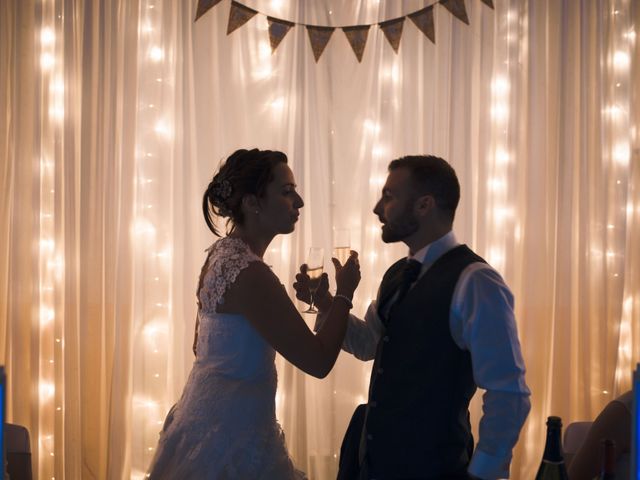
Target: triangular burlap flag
(357, 37)
(488, 3)
(457, 9)
(204, 6)
(238, 16)
(277, 30)
(423, 19)
(319, 37)
(392, 29)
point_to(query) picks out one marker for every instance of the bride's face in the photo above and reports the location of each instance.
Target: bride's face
(280, 207)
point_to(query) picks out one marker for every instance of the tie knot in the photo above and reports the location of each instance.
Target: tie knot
(411, 271)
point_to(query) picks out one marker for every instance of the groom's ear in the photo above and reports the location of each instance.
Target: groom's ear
(424, 204)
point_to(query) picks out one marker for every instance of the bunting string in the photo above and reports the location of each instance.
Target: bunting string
(356, 35)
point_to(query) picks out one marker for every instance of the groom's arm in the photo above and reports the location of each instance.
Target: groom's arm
(361, 339)
(483, 322)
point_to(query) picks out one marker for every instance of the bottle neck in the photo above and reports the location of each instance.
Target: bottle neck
(553, 447)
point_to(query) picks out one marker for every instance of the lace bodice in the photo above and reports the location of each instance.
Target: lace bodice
(228, 342)
(227, 258)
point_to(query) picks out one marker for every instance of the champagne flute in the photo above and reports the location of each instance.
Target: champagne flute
(315, 266)
(341, 244)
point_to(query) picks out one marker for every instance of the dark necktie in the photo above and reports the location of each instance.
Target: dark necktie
(410, 274)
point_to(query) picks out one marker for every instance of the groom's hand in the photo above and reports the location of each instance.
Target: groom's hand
(321, 299)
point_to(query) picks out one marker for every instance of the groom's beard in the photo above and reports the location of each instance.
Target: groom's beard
(400, 228)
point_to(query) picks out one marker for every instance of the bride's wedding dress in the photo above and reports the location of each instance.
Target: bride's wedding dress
(224, 425)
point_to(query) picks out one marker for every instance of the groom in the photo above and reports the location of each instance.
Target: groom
(441, 326)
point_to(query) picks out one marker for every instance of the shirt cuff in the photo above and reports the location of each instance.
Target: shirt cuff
(489, 467)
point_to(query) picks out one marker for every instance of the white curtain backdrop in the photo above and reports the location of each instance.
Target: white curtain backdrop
(116, 114)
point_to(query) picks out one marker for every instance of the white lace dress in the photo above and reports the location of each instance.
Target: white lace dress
(224, 425)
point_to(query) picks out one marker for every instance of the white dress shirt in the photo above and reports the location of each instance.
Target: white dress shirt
(481, 321)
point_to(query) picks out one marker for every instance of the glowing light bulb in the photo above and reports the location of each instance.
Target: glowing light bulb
(47, 245)
(57, 86)
(496, 257)
(156, 54)
(621, 60)
(392, 73)
(143, 228)
(263, 73)
(502, 213)
(500, 85)
(278, 104)
(155, 329)
(56, 265)
(47, 37)
(613, 111)
(46, 61)
(57, 111)
(264, 50)
(497, 184)
(622, 154)
(376, 180)
(378, 151)
(371, 126)
(47, 316)
(502, 156)
(162, 128)
(500, 112)
(47, 390)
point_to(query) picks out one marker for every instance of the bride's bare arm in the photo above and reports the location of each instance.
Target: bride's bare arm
(258, 295)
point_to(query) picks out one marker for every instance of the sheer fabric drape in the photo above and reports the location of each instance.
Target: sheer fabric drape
(116, 114)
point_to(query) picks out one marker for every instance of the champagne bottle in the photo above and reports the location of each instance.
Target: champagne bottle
(552, 466)
(607, 472)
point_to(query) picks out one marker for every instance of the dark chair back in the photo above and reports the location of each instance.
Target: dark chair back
(18, 452)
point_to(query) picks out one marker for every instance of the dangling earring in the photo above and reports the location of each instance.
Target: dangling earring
(257, 212)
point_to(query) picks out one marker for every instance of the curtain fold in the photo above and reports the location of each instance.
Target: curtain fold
(117, 114)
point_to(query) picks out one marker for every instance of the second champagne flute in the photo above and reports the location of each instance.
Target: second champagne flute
(315, 267)
(341, 245)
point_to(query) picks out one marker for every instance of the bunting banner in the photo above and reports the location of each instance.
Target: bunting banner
(357, 35)
(392, 30)
(277, 30)
(457, 9)
(319, 37)
(238, 16)
(423, 19)
(204, 6)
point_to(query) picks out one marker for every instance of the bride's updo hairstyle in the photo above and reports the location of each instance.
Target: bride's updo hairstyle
(245, 172)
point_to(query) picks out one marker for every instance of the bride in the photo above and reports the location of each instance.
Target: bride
(224, 425)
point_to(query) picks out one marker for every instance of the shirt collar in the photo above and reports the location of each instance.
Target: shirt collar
(428, 254)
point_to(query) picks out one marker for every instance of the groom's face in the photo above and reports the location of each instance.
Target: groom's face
(395, 209)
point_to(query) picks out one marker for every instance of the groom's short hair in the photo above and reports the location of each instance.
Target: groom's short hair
(433, 176)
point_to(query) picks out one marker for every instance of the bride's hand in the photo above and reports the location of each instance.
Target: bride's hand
(347, 275)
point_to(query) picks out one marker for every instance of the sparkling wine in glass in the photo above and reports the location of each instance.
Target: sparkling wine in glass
(341, 244)
(315, 265)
